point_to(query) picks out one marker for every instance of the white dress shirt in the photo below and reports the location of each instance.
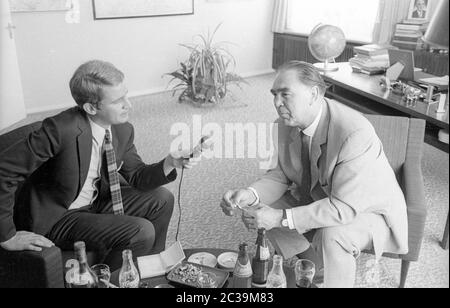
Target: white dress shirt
(309, 131)
(89, 192)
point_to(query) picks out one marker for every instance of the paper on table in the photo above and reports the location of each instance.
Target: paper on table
(394, 71)
(436, 81)
(160, 264)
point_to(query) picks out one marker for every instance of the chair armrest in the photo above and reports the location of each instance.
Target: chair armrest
(31, 269)
(413, 188)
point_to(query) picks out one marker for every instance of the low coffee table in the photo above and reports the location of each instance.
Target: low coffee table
(161, 280)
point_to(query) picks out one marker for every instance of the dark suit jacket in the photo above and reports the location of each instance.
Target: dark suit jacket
(415, 14)
(54, 163)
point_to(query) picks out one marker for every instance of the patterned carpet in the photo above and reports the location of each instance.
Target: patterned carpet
(204, 225)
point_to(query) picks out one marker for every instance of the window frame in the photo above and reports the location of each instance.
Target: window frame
(291, 31)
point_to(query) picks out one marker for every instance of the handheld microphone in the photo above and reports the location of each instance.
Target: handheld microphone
(198, 149)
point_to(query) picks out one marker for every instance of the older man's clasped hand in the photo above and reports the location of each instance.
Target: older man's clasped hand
(254, 216)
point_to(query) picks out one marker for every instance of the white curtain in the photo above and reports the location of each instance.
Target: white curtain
(390, 13)
(280, 16)
(12, 106)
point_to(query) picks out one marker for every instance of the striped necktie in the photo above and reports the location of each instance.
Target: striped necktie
(114, 184)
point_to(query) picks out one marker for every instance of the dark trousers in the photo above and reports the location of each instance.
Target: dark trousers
(143, 228)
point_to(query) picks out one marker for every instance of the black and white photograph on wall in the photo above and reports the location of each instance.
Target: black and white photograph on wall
(418, 10)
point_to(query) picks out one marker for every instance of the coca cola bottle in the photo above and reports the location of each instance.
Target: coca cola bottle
(277, 278)
(128, 275)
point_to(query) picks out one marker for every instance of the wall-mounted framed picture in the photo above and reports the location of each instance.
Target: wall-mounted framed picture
(116, 9)
(39, 5)
(419, 10)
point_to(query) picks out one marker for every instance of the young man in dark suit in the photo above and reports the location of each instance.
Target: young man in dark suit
(70, 175)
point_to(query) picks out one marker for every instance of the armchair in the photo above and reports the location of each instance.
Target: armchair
(29, 269)
(402, 140)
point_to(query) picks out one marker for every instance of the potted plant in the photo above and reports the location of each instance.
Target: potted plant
(205, 78)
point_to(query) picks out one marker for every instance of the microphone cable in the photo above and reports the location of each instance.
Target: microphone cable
(199, 149)
(179, 204)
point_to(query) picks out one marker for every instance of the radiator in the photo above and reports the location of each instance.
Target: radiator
(287, 47)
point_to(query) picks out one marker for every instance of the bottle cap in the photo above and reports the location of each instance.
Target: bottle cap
(79, 245)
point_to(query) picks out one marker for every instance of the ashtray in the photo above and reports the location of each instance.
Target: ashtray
(227, 260)
(203, 258)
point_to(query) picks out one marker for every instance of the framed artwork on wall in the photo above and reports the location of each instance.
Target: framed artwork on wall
(115, 9)
(419, 10)
(39, 5)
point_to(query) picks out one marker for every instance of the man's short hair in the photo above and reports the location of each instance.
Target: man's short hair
(307, 74)
(90, 78)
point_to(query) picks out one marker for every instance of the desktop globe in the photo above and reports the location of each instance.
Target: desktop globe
(326, 42)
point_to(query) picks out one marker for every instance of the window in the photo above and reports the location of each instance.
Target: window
(355, 17)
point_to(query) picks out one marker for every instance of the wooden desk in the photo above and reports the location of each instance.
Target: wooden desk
(363, 93)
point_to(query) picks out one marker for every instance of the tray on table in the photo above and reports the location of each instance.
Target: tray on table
(187, 273)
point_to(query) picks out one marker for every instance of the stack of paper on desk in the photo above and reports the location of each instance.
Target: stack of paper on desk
(440, 82)
(162, 263)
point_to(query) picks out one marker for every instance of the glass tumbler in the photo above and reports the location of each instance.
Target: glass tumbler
(103, 273)
(304, 273)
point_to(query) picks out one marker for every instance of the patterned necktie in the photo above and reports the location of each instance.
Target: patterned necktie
(306, 164)
(114, 184)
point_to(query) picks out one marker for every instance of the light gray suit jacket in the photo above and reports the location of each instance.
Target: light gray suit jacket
(350, 175)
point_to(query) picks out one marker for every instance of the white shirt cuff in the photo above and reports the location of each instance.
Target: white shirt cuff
(290, 219)
(256, 195)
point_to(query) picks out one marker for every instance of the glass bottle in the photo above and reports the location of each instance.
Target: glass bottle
(83, 276)
(260, 263)
(277, 278)
(129, 275)
(242, 274)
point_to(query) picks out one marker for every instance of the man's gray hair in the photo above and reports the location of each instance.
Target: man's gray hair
(307, 74)
(90, 78)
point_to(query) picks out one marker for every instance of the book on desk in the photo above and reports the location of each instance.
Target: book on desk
(368, 71)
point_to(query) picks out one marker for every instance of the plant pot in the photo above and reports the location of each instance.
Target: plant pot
(198, 104)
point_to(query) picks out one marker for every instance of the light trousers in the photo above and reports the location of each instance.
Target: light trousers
(338, 247)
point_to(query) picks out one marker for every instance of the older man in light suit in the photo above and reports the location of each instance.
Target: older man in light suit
(346, 190)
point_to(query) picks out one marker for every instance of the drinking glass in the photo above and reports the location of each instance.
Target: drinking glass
(103, 273)
(304, 273)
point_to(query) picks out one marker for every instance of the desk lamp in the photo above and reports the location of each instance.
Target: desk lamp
(437, 32)
(437, 35)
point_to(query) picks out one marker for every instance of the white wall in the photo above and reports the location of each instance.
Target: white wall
(49, 49)
(12, 107)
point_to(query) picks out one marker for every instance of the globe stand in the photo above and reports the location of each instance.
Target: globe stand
(326, 67)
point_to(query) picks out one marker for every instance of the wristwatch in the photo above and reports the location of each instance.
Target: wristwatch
(284, 220)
